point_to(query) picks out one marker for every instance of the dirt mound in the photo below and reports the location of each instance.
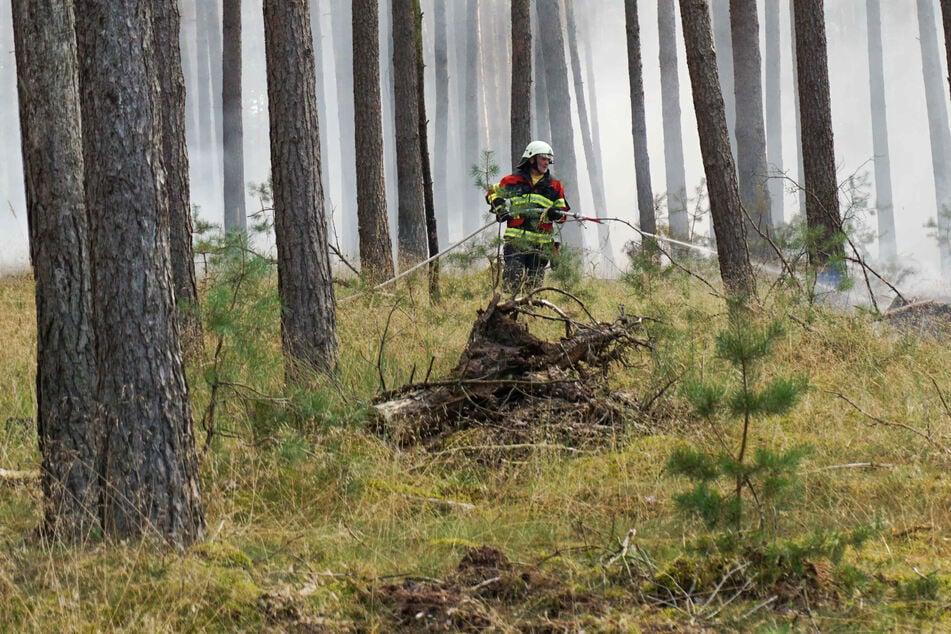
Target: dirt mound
(486, 592)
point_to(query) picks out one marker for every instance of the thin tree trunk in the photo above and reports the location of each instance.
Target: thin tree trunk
(559, 105)
(70, 437)
(206, 155)
(342, 22)
(750, 129)
(149, 468)
(308, 316)
(432, 234)
(939, 132)
(645, 195)
(412, 245)
(798, 117)
(818, 150)
(470, 142)
(322, 120)
(376, 253)
(592, 159)
(887, 247)
(541, 117)
(774, 114)
(718, 165)
(442, 125)
(521, 103)
(673, 134)
(604, 230)
(723, 41)
(236, 218)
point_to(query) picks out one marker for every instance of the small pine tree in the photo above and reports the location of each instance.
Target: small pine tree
(731, 405)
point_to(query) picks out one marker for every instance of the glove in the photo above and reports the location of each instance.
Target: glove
(554, 214)
(500, 211)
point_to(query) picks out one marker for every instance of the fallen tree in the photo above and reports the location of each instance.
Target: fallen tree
(508, 376)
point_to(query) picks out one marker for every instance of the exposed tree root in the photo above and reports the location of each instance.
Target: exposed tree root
(509, 379)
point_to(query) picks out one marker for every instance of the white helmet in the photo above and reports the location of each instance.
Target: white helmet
(538, 148)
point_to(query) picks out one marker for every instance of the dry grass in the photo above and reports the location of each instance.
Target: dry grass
(309, 515)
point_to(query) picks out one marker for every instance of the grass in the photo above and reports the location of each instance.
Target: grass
(310, 516)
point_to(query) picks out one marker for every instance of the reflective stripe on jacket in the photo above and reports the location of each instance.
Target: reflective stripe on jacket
(533, 208)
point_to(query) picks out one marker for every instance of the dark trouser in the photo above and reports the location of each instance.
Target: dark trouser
(524, 266)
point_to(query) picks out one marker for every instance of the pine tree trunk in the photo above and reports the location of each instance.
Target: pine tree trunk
(308, 315)
(559, 107)
(70, 436)
(149, 468)
(432, 234)
(376, 254)
(236, 218)
(750, 129)
(471, 135)
(206, 157)
(322, 120)
(774, 114)
(938, 130)
(723, 41)
(673, 133)
(442, 123)
(521, 104)
(818, 151)
(167, 25)
(541, 121)
(645, 195)
(592, 158)
(412, 243)
(342, 22)
(887, 247)
(718, 165)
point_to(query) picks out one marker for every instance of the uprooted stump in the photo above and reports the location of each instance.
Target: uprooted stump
(512, 380)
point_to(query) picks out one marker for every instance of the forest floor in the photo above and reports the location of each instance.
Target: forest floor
(548, 497)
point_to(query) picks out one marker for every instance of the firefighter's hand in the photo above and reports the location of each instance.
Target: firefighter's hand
(554, 214)
(500, 211)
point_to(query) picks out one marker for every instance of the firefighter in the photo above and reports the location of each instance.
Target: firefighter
(530, 202)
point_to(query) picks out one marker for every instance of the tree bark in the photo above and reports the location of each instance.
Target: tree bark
(938, 129)
(308, 316)
(774, 114)
(887, 247)
(723, 42)
(432, 233)
(718, 165)
(376, 253)
(750, 129)
(412, 243)
(559, 105)
(70, 437)
(673, 132)
(521, 103)
(592, 158)
(442, 123)
(236, 218)
(541, 118)
(322, 120)
(167, 25)
(343, 43)
(645, 195)
(149, 468)
(471, 136)
(818, 151)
